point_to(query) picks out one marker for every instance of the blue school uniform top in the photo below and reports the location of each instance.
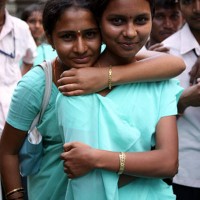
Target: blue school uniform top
(123, 120)
(50, 182)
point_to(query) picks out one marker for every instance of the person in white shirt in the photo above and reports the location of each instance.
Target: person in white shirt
(186, 43)
(166, 21)
(16, 43)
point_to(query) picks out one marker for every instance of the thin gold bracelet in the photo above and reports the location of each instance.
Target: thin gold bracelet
(110, 78)
(21, 190)
(122, 159)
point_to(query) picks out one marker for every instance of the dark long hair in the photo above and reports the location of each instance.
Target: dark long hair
(54, 9)
(102, 4)
(30, 9)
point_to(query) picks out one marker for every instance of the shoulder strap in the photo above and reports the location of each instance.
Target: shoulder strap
(48, 85)
(46, 66)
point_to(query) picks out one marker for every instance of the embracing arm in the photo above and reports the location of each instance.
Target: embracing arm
(151, 66)
(10, 144)
(81, 159)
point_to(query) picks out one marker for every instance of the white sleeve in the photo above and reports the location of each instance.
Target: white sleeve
(31, 50)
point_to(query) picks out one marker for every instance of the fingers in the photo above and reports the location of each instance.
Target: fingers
(155, 46)
(194, 80)
(62, 156)
(66, 167)
(70, 145)
(74, 89)
(70, 176)
(159, 47)
(69, 88)
(67, 170)
(74, 93)
(66, 80)
(197, 77)
(69, 73)
(162, 49)
(67, 77)
(192, 74)
(67, 146)
(195, 72)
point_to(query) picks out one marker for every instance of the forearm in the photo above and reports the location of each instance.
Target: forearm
(10, 144)
(160, 67)
(148, 163)
(80, 158)
(150, 67)
(10, 175)
(141, 164)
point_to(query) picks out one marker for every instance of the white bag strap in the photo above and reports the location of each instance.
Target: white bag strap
(47, 67)
(48, 85)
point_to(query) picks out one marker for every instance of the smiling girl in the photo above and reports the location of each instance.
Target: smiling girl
(110, 135)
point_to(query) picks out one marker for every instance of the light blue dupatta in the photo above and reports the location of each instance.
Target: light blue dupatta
(96, 121)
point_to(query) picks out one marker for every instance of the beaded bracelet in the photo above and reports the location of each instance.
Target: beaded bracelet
(110, 78)
(122, 159)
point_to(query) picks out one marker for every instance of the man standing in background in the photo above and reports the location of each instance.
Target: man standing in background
(166, 21)
(16, 44)
(186, 44)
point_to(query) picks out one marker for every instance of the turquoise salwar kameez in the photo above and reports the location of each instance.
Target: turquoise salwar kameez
(124, 120)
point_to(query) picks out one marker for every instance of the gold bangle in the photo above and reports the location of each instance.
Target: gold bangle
(110, 78)
(122, 159)
(21, 190)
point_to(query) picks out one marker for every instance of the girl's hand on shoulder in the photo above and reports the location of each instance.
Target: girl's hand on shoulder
(83, 80)
(78, 159)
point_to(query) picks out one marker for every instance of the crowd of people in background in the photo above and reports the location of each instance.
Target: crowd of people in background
(16, 46)
(186, 44)
(166, 21)
(32, 15)
(70, 34)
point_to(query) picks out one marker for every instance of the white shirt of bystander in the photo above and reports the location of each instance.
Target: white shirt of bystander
(184, 44)
(16, 44)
